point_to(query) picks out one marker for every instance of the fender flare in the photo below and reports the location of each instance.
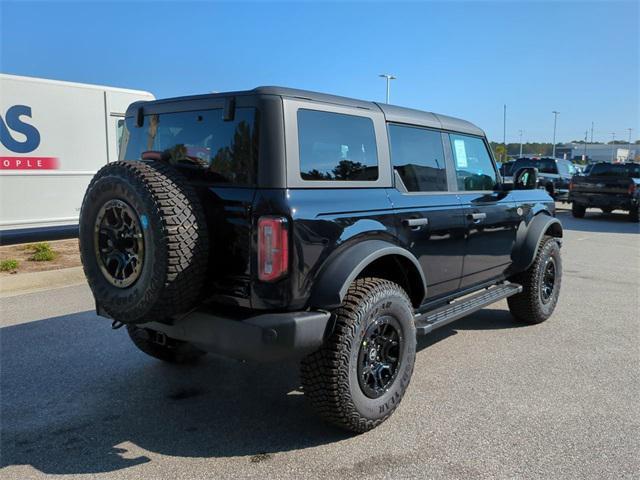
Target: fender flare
(335, 279)
(528, 239)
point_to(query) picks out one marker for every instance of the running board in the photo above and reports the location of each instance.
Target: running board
(428, 321)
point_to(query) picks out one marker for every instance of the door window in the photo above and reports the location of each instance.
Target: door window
(418, 156)
(474, 167)
(335, 146)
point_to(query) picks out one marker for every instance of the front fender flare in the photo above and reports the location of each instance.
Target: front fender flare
(335, 279)
(528, 240)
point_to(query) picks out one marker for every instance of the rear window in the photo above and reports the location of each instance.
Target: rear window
(611, 170)
(199, 143)
(335, 146)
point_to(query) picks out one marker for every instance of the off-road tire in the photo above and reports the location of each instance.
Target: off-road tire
(578, 211)
(634, 214)
(172, 351)
(175, 238)
(528, 306)
(330, 375)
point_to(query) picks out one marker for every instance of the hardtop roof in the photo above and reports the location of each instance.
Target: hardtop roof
(392, 113)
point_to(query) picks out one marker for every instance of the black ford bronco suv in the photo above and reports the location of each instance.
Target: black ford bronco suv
(276, 223)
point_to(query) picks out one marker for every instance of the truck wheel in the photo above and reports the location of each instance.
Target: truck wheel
(541, 285)
(634, 214)
(143, 241)
(578, 211)
(162, 347)
(358, 377)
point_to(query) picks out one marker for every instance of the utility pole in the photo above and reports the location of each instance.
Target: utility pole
(613, 146)
(520, 132)
(629, 145)
(555, 122)
(504, 130)
(389, 77)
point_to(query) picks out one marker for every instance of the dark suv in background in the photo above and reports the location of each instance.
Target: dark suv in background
(274, 222)
(554, 174)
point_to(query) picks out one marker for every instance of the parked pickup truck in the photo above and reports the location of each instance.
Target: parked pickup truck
(607, 187)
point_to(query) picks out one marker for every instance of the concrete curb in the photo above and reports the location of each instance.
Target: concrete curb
(22, 283)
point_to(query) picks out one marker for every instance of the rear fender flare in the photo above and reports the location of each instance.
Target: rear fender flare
(335, 279)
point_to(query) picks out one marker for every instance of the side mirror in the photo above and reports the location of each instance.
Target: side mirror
(525, 178)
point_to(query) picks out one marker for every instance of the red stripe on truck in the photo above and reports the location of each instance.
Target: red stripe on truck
(29, 163)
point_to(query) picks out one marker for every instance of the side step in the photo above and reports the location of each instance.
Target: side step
(428, 321)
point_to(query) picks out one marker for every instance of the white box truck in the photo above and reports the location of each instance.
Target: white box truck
(53, 137)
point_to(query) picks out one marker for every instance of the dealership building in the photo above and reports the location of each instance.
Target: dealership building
(598, 152)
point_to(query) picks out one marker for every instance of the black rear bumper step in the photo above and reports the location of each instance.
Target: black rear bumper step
(428, 321)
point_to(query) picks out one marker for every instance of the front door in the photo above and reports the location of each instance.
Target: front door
(430, 221)
(491, 217)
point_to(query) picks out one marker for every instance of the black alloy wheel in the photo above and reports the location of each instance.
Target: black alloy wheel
(119, 243)
(379, 357)
(548, 280)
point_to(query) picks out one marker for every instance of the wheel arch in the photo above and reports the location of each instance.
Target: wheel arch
(529, 238)
(377, 258)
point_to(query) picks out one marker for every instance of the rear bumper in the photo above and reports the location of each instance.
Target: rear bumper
(267, 337)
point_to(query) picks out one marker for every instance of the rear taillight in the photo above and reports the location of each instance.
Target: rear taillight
(273, 248)
(632, 188)
(571, 185)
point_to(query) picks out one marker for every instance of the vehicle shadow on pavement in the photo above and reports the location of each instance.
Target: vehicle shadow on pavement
(596, 221)
(79, 398)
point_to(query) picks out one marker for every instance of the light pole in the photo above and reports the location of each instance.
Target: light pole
(555, 122)
(629, 145)
(591, 132)
(520, 132)
(389, 77)
(586, 133)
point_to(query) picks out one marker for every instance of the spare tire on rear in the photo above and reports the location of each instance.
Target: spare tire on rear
(143, 241)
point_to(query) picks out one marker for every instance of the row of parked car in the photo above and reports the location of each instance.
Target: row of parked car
(607, 186)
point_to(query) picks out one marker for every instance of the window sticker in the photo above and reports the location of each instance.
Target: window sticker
(461, 153)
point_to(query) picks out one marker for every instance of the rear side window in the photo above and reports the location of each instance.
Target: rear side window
(199, 143)
(335, 146)
(474, 167)
(418, 156)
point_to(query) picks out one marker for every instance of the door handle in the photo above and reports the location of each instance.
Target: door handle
(477, 217)
(415, 223)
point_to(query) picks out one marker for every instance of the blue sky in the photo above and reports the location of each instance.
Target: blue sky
(464, 59)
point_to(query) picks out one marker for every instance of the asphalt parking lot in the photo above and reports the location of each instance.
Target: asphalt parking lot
(489, 398)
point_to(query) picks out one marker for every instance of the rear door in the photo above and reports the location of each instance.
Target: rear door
(430, 221)
(491, 217)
